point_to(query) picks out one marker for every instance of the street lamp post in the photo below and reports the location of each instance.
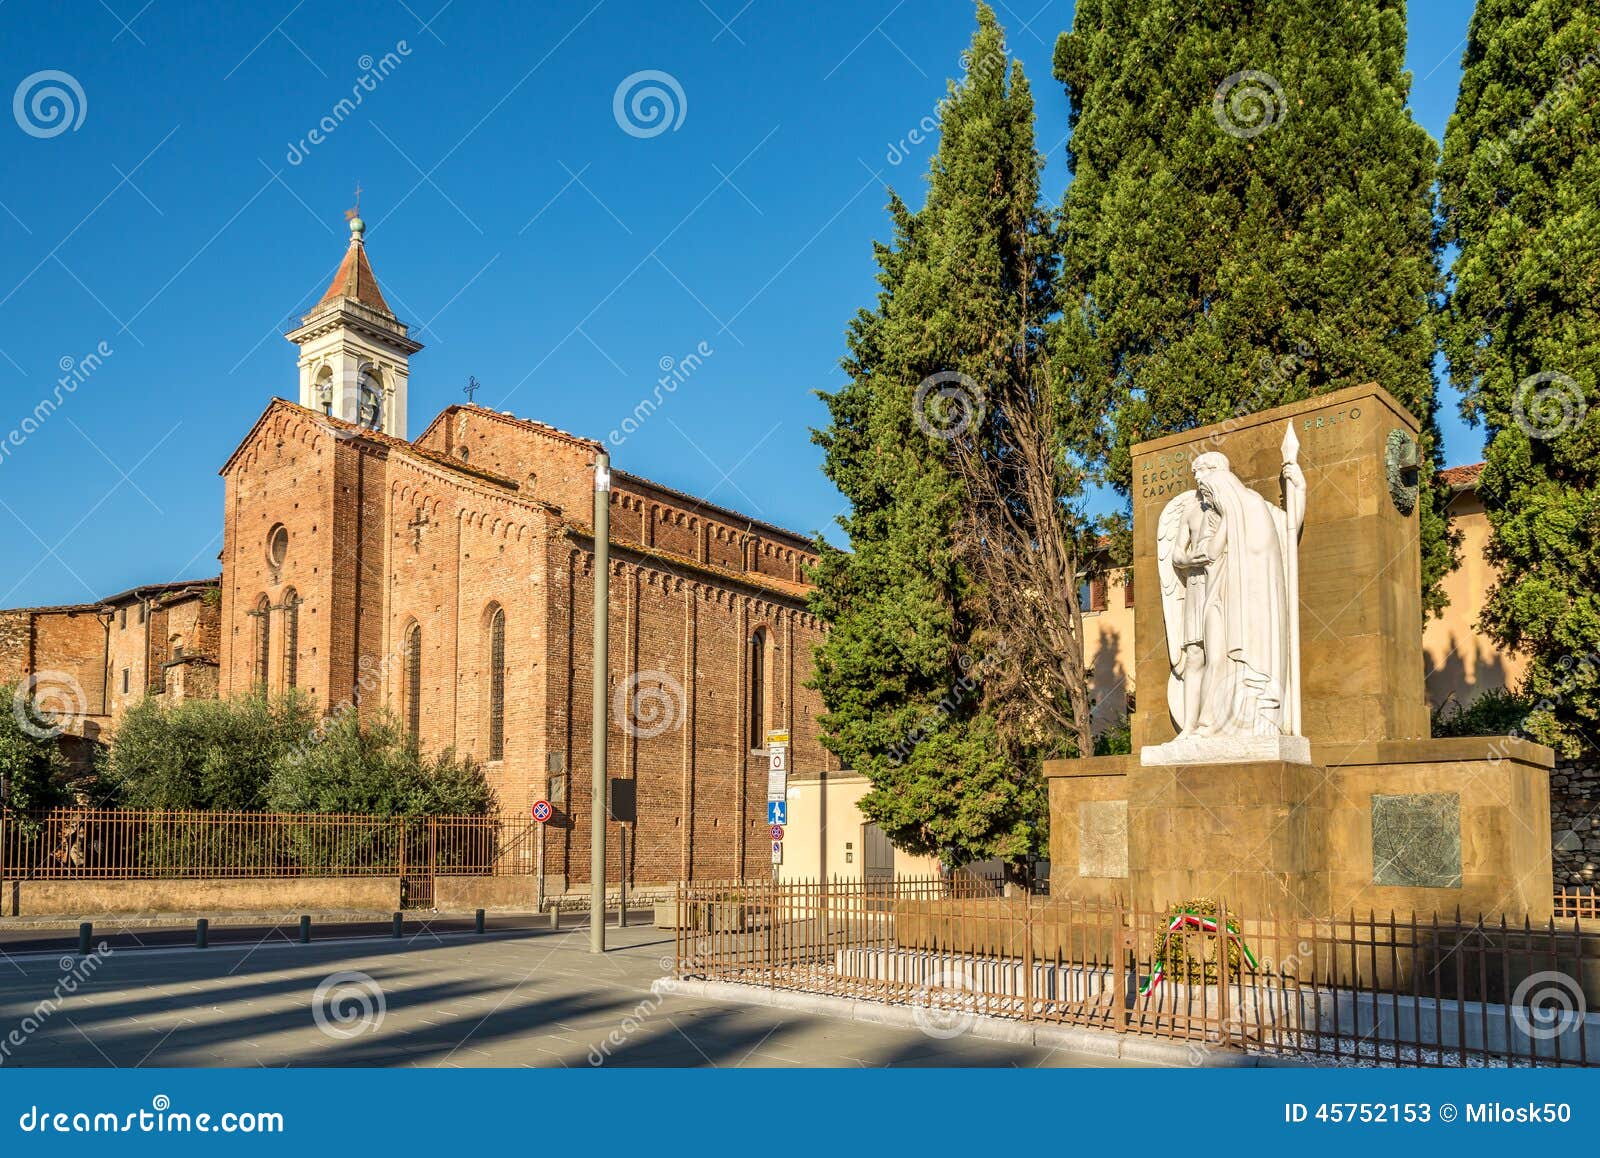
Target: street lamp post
(599, 710)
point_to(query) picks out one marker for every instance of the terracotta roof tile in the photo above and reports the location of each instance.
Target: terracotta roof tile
(354, 280)
(1461, 478)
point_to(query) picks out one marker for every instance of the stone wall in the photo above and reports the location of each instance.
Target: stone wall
(1575, 819)
(80, 898)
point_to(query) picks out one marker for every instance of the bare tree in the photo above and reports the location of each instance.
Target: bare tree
(1023, 541)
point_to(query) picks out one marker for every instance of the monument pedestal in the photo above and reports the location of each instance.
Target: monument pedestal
(1248, 834)
(1408, 826)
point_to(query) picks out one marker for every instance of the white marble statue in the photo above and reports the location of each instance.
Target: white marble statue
(1227, 560)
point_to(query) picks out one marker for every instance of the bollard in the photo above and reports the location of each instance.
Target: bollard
(305, 930)
(202, 928)
(397, 920)
(85, 935)
(478, 922)
(555, 917)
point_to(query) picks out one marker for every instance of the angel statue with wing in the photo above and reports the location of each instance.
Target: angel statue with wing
(1226, 559)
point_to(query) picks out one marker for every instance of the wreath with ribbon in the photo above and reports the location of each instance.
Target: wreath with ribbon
(1173, 946)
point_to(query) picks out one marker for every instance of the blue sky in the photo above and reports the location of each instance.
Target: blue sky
(528, 238)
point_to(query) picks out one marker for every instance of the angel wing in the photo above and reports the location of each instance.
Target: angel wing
(1173, 594)
(1172, 588)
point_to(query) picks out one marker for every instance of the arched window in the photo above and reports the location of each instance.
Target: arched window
(370, 399)
(758, 688)
(411, 689)
(263, 617)
(291, 638)
(497, 683)
(325, 389)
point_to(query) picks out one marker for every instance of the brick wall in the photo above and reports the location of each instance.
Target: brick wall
(680, 721)
(72, 641)
(288, 472)
(16, 641)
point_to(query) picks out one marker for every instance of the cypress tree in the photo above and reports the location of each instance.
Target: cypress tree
(964, 285)
(1520, 196)
(1250, 214)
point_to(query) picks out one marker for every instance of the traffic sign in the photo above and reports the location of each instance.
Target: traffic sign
(776, 832)
(777, 766)
(777, 812)
(542, 811)
(777, 852)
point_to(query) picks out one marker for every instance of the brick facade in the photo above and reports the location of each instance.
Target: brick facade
(381, 538)
(104, 657)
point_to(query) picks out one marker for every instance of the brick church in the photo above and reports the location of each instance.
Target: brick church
(449, 578)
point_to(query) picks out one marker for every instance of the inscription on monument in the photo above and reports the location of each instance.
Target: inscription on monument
(1416, 840)
(1103, 838)
(1330, 417)
(1165, 474)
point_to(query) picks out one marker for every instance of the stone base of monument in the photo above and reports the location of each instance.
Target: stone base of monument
(1227, 750)
(1412, 826)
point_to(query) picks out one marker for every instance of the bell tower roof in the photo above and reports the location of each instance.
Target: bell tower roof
(354, 353)
(355, 280)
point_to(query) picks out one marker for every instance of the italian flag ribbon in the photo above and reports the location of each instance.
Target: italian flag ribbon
(1189, 919)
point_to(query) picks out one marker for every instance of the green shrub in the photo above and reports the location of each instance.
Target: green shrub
(1495, 712)
(203, 754)
(31, 765)
(370, 768)
(1117, 740)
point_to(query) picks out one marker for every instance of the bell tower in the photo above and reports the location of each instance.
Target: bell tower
(354, 352)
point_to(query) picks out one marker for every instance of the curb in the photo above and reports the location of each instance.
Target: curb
(1094, 1042)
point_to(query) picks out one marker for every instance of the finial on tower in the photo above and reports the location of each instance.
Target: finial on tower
(357, 226)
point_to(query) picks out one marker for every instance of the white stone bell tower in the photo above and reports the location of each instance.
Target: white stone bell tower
(354, 352)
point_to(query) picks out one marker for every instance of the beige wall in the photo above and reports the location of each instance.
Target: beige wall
(1461, 662)
(76, 898)
(825, 833)
(1108, 651)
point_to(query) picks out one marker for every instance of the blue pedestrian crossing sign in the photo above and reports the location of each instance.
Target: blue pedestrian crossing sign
(777, 812)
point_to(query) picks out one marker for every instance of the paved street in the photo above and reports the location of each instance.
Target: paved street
(508, 999)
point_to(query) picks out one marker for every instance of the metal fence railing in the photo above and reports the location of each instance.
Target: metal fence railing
(126, 844)
(1368, 990)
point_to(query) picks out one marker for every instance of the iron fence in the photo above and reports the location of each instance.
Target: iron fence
(126, 844)
(1362, 990)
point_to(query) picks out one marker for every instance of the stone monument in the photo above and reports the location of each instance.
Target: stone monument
(1282, 757)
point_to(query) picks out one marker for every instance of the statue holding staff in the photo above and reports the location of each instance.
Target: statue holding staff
(1229, 589)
